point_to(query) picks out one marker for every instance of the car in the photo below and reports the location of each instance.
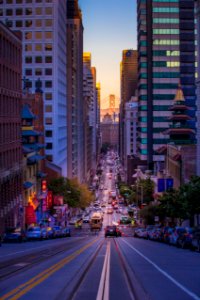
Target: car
(109, 210)
(72, 221)
(14, 234)
(66, 232)
(112, 231)
(57, 231)
(86, 219)
(195, 242)
(50, 232)
(175, 234)
(34, 233)
(185, 238)
(125, 220)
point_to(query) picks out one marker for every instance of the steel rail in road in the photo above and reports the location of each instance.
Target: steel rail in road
(24, 288)
(11, 267)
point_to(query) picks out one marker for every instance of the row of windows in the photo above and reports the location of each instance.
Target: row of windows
(38, 59)
(166, 1)
(166, 9)
(162, 75)
(38, 47)
(155, 108)
(23, 1)
(38, 35)
(155, 130)
(166, 20)
(166, 42)
(166, 53)
(29, 23)
(165, 31)
(38, 72)
(157, 97)
(155, 119)
(47, 84)
(26, 11)
(160, 86)
(169, 64)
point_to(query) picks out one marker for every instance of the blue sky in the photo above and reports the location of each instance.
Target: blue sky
(109, 28)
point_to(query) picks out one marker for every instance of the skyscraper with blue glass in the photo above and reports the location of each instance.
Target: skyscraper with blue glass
(166, 58)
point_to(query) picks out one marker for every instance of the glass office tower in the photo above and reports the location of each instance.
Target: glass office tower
(166, 58)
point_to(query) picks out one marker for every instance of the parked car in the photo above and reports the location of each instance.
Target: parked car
(175, 234)
(14, 235)
(195, 242)
(125, 220)
(185, 238)
(34, 233)
(66, 232)
(57, 231)
(112, 231)
(50, 232)
(86, 219)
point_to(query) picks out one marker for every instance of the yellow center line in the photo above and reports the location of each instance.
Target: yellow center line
(27, 286)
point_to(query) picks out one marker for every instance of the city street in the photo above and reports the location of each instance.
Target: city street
(90, 266)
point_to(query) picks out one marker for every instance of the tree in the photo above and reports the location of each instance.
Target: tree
(190, 194)
(173, 205)
(147, 185)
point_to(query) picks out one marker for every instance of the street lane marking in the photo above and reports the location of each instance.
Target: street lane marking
(30, 284)
(103, 290)
(178, 284)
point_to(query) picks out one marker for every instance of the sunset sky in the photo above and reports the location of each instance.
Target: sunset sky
(109, 28)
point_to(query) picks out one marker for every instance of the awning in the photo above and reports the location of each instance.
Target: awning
(27, 184)
(35, 158)
(27, 113)
(35, 146)
(30, 133)
(177, 157)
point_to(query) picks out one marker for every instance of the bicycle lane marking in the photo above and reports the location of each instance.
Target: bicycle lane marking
(30, 284)
(178, 284)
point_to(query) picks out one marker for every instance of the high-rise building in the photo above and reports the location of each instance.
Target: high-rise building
(128, 74)
(198, 87)
(43, 27)
(90, 115)
(11, 164)
(166, 58)
(75, 130)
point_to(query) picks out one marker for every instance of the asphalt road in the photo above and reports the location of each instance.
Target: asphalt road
(87, 266)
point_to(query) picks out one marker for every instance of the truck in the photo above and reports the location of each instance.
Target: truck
(96, 221)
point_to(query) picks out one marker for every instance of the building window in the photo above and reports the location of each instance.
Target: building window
(38, 23)
(1, 12)
(48, 10)
(38, 11)
(48, 108)
(28, 59)
(9, 12)
(19, 23)
(9, 1)
(19, 1)
(28, 47)
(48, 96)
(48, 133)
(38, 35)
(28, 11)
(38, 72)
(48, 47)
(48, 23)
(48, 121)
(28, 23)
(48, 59)
(48, 71)
(48, 84)
(49, 157)
(28, 72)
(28, 1)
(48, 34)
(38, 59)
(38, 47)
(19, 11)
(28, 35)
